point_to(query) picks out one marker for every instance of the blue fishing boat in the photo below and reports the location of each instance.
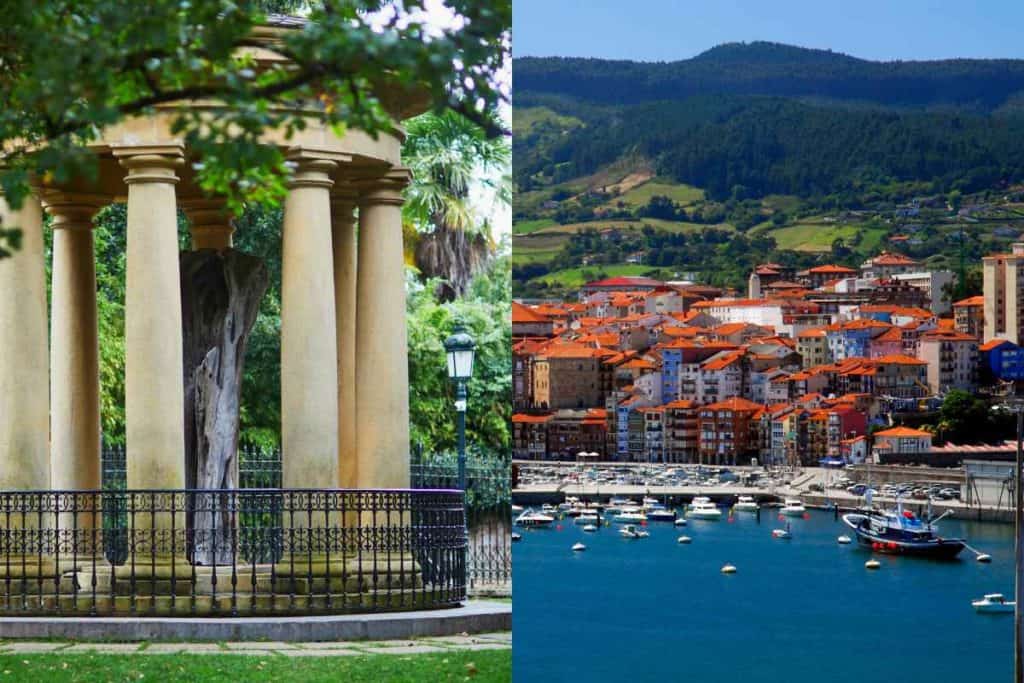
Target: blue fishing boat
(901, 532)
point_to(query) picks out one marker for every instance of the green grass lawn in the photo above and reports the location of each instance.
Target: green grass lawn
(526, 227)
(457, 665)
(819, 236)
(677, 192)
(525, 118)
(631, 224)
(573, 277)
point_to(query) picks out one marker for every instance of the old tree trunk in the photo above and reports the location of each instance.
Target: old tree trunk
(220, 298)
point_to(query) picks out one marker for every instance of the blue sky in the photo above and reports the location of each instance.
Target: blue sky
(665, 30)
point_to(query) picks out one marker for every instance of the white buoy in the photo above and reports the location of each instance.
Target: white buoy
(872, 564)
(684, 539)
(982, 557)
(843, 540)
(728, 569)
(578, 547)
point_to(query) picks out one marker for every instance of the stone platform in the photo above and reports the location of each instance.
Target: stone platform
(472, 617)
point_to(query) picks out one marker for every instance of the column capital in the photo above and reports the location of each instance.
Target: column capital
(151, 164)
(343, 204)
(384, 189)
(71, 211)
(212, 225)
(310, 171)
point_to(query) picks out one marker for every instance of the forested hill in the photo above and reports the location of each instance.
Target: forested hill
(762, 68)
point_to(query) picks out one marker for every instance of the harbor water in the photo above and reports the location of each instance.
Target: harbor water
(803, 610)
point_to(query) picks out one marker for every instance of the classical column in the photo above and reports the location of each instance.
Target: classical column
(24, 367)
(74, 345)
(343, 231)
(211, 224)
(154, 394)
(309, 363)
(382, 370)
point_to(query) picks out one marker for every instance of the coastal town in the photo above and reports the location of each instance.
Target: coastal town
(829, 365)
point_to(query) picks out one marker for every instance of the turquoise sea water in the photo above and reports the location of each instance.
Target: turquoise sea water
(799, 611)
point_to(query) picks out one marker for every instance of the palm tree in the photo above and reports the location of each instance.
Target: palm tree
(450, 157)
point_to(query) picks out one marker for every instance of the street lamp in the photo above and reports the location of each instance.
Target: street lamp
(460, 347)
(1016, 403)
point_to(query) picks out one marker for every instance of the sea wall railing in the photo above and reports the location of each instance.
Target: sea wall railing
(246, 552)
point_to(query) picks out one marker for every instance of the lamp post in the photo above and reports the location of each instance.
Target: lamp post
(460, 349)
(1016, 403)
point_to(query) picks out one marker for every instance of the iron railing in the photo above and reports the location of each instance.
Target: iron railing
(488, 515)
(488, 503)
(245, 552)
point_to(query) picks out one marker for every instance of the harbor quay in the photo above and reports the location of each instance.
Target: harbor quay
(813, 486)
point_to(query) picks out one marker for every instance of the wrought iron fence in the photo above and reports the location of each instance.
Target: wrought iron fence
(488, 503)
(314, 551)
(488, 516)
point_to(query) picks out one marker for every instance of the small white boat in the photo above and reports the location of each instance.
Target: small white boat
(745, 504)
(516, 536)
(784, 534)
(661, 515)
(587, 517)
(844, 540)
(590, 527)
(529, 518)
(680, 521)
(793, 507)
(579, 547)
(630, 515)
(684, 540)
(729, 569)
(704, 510)
(994, 603)
(872, 564)
(983, 558)
(631, 531)
(698, 500)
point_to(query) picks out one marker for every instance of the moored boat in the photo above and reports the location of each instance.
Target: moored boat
(901, 532)
(994, 603)
(793, 507)
(530, 518)
(632, 531)
(661, 515)
(745, 504)
(703, 510)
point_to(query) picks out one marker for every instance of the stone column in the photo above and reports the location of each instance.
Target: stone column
(74, 346)
(309, 363)
(343, 231)
(154, 394)
(382, 370)
(24, 367)
(211, 224)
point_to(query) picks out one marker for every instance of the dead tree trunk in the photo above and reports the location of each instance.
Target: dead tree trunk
(220, 298)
